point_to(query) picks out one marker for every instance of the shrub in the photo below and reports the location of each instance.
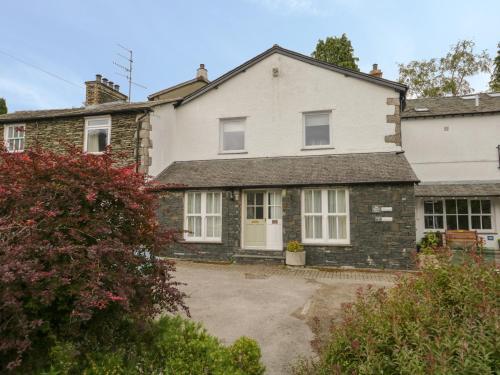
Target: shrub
(441, 321)
(78, 239)
(294, 246)
(171, 345)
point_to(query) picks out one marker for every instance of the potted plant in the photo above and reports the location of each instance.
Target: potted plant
(430, 251)
(295, 254)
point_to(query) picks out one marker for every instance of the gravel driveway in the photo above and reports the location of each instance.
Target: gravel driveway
(273, 304)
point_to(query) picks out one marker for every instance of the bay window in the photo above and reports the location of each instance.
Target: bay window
(458, 214)
(325, 216)
(203, 216)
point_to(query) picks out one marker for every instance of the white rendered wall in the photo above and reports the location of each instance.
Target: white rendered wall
(466, 151)
(273, 109)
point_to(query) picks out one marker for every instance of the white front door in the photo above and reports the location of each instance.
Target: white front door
(262, 222)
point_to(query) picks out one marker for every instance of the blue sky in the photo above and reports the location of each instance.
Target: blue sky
(77, 39)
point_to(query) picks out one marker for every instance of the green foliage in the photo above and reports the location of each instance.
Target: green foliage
(294, 247)
(446, 75)
(495, 76)
(338, 51)
(3, 106)
(171, 345)
(441, 321)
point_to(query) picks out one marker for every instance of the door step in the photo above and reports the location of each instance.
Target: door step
(259, 256)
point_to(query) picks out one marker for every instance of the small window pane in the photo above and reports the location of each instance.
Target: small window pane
(308, 201)
(342, 232)
(451, 222)
(476, 222)
(259, 212)
(462, 206)
(250, 212)
(233, 136)
(428, 207)
(317, 201)
(97, 140)
(475, 206)
(463, 222)
(451, 206)
(332, 227)
(309, 227)
(429, 222)
(486, 206)
(438, 207)
(210, 203)
(318, 227)
(194, 226)
(438, 222)
(332, 204)
(98, 122)
(486, 221)
(341, 201)
(194, 203)
(259, 199)
(317, 135)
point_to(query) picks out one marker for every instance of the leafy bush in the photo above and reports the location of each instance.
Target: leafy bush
(78, 238)
(171, 345)
(441, 321)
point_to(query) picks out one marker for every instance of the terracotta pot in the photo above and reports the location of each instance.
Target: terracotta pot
(296, 258)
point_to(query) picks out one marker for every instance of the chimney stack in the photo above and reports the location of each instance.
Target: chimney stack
(102, 91)
(202, 73)
(376, 72)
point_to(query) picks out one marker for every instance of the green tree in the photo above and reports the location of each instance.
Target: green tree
(495, 76)
(338, 51)
(3, 106)
(446, 75)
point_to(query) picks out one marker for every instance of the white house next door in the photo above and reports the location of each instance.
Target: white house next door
(262, 220)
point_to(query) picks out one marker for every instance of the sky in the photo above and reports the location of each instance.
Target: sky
(74, 40)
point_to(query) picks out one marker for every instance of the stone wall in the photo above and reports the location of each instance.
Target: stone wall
(396, 120)
(56, 133)
(374, 244)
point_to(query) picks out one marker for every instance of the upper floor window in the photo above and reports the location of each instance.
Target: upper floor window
(325, 216)
(14, 137)
(462, 214)
(317, 130)
(232, 135)
(97, 134)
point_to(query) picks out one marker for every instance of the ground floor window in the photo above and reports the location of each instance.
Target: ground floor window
(325, 216)
(461, 213)
(203, 216)
(14, 137)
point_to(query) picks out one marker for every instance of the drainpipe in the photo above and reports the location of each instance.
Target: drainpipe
(138, 139)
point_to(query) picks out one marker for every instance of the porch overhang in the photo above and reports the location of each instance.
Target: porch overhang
(343, 169)
(468, 189)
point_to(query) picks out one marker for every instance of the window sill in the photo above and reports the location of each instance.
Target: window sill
(313, 148)
(202, 242)
(232, 152)
(347, 244)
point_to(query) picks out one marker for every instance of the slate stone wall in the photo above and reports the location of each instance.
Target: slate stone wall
(55, 133)
(171, 215)
(374, 244)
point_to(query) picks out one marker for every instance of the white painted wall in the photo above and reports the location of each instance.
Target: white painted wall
(273, 109)
(467, 151)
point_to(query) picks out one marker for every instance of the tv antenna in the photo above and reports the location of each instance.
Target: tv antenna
(128, 70)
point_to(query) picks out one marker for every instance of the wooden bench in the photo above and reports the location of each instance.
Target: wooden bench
(461, 239)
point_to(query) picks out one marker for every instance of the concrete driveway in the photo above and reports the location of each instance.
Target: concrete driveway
(275, 305)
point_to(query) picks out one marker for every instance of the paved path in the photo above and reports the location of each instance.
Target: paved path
(273, 304)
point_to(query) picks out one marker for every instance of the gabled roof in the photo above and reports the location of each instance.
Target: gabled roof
(297, 56)
(382, 167)
(452, 105)
(99, 109)
(178, 86)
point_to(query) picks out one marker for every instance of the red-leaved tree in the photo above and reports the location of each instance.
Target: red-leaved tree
(78, 239)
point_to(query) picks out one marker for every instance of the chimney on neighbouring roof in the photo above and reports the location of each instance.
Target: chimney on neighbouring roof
(102, 91)
(376, 72)
(202, 73)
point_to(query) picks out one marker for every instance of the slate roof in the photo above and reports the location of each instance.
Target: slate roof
(452, 105)
(476, 189)
(297, 56)
(100, 109)
(177, 86)
(289, 171)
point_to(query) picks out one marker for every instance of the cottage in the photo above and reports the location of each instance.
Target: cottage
(285, 147)
(453, 145)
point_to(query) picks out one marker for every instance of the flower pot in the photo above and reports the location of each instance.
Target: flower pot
(296, 258)
(427, 260)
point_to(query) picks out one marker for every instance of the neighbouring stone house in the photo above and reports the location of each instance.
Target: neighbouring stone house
(107, 119)
(453, 145)
(285, 147)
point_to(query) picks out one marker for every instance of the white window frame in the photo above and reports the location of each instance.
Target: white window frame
(330, 129)
(222, 123)
(94, 127)
(203, 215)
(469, 213)
(6, 136)
(324, 221)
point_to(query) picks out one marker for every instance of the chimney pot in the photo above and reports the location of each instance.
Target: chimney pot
(376, 72)
(105, 81)
(202, 73)
(110, 84)
(375, 66)
(117, 87)
(98, 77)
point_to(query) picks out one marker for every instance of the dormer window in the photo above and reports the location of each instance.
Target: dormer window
(14, 137)
(97, 134)
(232, 135)
(317, 130)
